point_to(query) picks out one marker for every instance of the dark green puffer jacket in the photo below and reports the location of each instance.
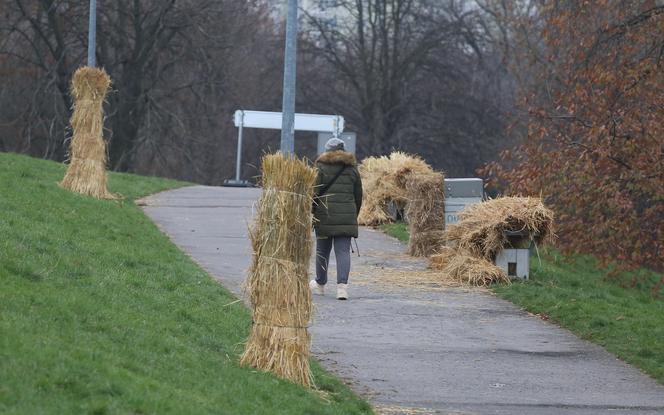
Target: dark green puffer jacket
(336, 211)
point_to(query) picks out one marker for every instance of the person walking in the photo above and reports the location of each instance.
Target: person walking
(337, 202)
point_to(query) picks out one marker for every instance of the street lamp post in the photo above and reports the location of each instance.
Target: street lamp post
(92, 34)
(288, 105)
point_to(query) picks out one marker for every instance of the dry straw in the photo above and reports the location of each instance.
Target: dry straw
(483, 230)
(384, 180)
(486, 228)
(467, 269)
(278, 278)
(426, 213)
(87, 154)
(442, 256)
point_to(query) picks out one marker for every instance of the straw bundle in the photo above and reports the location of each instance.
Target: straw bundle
(441, 258)
(426, 213)
(485, 228)
(87, 154)
(384, 180)
(467, 269)
(461, 267)
(278, 277)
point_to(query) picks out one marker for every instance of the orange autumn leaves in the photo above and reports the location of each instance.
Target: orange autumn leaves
(595, 129)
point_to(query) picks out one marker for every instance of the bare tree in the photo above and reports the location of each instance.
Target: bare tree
(176, 68)
(415, 75)
(419, 75)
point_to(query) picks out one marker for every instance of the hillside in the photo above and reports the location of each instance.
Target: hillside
(101, 313)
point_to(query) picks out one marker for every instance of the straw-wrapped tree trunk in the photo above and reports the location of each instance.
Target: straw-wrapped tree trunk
(426, 213)
(87, 153)
(278, 277)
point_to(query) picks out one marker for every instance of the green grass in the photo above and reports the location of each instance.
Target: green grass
(397, 230)
(577, 294)
(101, 313)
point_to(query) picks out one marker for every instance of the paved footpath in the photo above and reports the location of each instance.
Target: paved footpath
(414, 350)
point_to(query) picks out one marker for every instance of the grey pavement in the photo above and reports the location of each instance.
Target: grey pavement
(438, 350)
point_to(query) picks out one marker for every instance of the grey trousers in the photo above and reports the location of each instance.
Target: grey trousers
(342, 254)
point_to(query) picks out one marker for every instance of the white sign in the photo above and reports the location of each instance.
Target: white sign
(460, 193)
(303, 122)
(454, 206)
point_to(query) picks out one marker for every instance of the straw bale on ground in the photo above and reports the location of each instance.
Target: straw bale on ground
(86, 173)
(442, 257)
(485, 228)
(426, 213)
(278, 280)
(470, 270)
(384, 180)
(457, 265)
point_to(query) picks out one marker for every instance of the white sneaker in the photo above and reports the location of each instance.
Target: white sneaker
(316, 287)
(342, 291)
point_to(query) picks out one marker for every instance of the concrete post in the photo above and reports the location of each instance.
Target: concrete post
(288, 106)
(92, 34)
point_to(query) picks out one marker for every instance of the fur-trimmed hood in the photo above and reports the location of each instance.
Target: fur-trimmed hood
(337, 157)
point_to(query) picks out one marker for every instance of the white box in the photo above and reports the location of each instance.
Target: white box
(460, 193)
(515, 262)
(454, 206)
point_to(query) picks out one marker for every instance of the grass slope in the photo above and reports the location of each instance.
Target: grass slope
(576, 294)
(101, 313)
